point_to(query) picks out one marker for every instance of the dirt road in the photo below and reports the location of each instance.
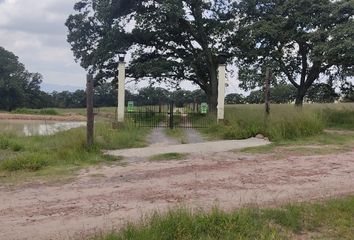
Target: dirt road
(105, 198)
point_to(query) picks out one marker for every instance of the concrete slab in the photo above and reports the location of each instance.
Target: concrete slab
(205, 147)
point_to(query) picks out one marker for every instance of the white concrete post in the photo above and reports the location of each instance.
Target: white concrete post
(221, 91)
(121, 92)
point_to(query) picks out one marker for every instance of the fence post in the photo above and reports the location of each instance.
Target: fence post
(89, 108)
(171, 116)
(267, 91)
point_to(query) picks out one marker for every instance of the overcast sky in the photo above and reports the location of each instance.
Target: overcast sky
(34, 30)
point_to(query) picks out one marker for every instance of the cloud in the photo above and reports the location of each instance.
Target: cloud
(35, 31)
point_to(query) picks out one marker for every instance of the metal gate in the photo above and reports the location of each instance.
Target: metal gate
(169, 116)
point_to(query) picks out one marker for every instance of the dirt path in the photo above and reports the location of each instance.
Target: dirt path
(157, 137)
(105, 198)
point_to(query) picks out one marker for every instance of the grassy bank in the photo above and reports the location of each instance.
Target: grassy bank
(321, 144)
(47, 111)
(331, 220)
(65, 149)
(286, 122)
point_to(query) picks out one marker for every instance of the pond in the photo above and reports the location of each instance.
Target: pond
(36, 127)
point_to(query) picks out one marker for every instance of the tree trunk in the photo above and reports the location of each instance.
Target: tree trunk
(213, 97)
(301, 92)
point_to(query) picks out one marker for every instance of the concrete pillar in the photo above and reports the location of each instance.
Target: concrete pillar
(121, 92)
(221, 92)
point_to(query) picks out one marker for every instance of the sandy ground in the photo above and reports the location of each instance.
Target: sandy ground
(10, 116)
(105, 198)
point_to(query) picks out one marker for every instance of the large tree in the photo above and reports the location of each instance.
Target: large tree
(18, 87)
(301, 40)
(174, 40)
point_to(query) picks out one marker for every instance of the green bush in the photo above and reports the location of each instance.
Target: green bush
(48, 112)
(36, 111)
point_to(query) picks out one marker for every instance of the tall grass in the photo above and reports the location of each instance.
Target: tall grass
(332, 220)
(66, 148)
(339, 119)
(284, 122)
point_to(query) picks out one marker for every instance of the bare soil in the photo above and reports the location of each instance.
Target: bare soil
(102, 199)
(68, 117)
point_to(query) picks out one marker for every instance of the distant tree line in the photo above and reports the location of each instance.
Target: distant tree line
(21, 89)
(286, 93)
(106, 96)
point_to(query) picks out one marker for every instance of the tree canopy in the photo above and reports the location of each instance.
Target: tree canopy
(301, 40)
(173, 40)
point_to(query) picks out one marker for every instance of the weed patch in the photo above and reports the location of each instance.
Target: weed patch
(168, 156)
(30, 162)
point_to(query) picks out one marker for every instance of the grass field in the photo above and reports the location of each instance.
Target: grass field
(63, 152)
(329, 220)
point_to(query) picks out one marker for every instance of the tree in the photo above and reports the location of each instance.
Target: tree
(322, 93)
(152, 96)
(181, 97)
(347, 92)
(283, 93)
(301, 40)
(18, 87)
(106, 95)
(255, 97)
(175, 40)
(235, 98)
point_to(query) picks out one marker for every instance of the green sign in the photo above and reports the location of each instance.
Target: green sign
(204, 108)
(130, 106)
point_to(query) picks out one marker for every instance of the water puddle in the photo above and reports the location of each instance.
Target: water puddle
(36, 127)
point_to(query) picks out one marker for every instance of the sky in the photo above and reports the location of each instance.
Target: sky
(34, 30)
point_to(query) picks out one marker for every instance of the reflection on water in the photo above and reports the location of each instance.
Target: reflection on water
(36, 127)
